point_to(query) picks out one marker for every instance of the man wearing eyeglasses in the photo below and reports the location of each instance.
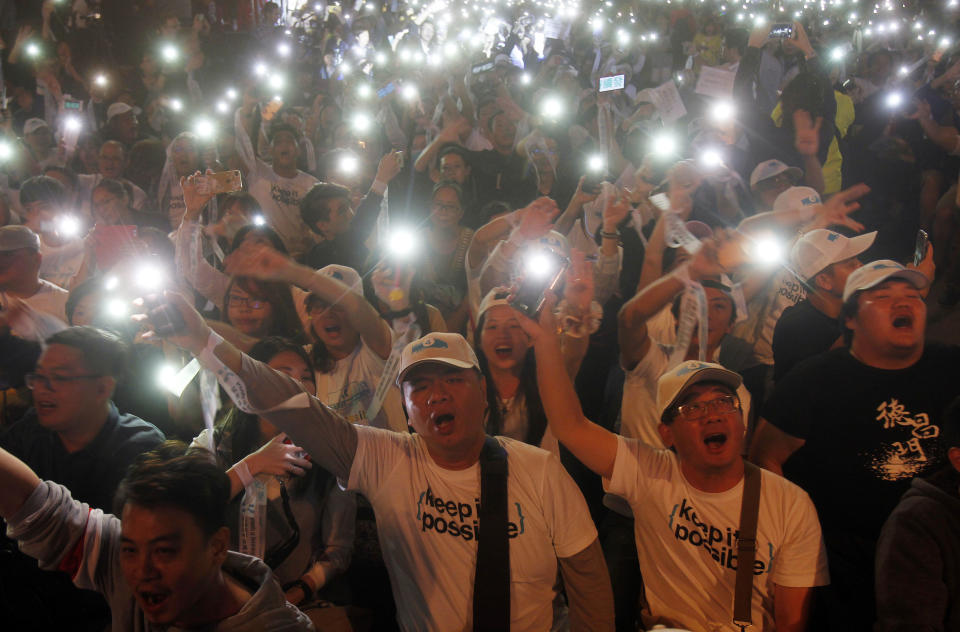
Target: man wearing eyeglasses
(75, 436)
(686, 499)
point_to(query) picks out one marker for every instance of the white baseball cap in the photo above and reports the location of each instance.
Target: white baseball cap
(119, 108)
(876, 272)
(451, 349)
(673, 383)
(796, 197)
(496, 296)
(821, 247)
(771, 168)
(346, 275)
(33, 125)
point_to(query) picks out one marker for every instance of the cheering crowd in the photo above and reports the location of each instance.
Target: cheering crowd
(299, 300)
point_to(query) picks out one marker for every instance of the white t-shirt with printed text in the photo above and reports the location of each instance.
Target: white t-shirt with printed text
(348, 389)
(686, 540)
(427, 519)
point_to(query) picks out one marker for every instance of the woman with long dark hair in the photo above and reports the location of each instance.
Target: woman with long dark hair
(261, 308)
(507, 359)
(303, 527)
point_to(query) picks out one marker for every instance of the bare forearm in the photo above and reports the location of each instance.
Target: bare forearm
(650, 300)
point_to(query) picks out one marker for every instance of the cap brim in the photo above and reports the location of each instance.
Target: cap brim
(460, 364)
(856, 246)
(728, 378)
(914, 277)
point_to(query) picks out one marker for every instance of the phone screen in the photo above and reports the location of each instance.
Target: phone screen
(481, 68)
(385, 90)
(544, 275)
(781, 31)
(611, 83)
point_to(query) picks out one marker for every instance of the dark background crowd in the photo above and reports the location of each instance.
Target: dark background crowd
(769, 187)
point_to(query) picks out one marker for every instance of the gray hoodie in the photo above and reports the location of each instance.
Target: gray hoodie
(918, 559)
(51, 523)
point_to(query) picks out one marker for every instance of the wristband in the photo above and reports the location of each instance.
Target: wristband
(243, 473)
(606, 235)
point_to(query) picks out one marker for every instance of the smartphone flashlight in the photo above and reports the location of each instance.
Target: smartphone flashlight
(402, 244)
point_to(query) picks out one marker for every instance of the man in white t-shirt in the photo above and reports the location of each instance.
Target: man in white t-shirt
(686, 500)
(279, 186)
(33, 308)
(425, 487)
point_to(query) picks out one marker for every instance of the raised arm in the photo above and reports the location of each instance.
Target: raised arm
(17, 482)
(268, 264)
(256, 388)
(595, 446)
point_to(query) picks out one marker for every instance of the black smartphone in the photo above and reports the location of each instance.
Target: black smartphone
(542, 270)
(781, 30)
(592, 182)
(165, 318)
(920, 250)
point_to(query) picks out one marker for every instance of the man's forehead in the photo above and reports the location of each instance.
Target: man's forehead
(60, 356)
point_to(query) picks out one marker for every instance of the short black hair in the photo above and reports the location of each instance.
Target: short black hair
(849, 309)
(104, 353)
(272, 235)
(176, 476)
(453, 148)
(314, 206)
(737, 38)
(42, 189)
(278, 127)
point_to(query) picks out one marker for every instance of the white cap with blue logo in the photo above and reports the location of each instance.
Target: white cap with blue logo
(445, 348)
(674, 382)
(876, 272)
(819, 248)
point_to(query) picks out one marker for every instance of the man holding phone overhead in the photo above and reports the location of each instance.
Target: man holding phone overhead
(279, 186)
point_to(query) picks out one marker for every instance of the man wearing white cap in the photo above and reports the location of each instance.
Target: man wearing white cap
(686, 499)
(121, 124)
(822, 260)
(32, 308)
(853, 426)
(426, 489)
(771, 178)
(40, 140)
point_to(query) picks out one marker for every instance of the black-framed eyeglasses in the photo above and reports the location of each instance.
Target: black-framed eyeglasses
(54, 382)
(699, 410)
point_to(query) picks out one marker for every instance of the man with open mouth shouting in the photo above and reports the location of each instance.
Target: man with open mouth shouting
(434, 491)
(854, 425)
(164, 563)
(686, 499)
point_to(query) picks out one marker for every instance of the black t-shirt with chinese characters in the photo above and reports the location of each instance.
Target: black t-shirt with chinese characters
(867, 432)
(802, 331)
